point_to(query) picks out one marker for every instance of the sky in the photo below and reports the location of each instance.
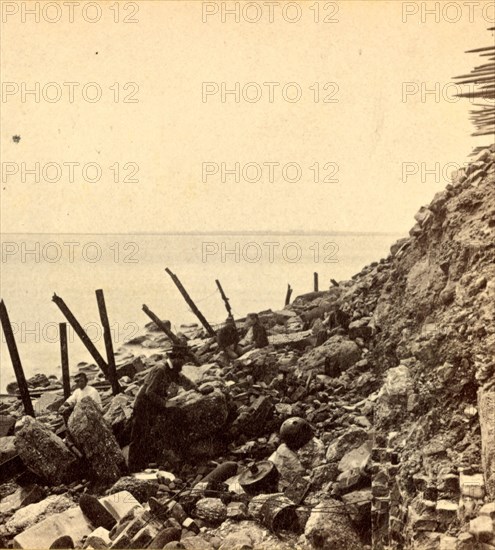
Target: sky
(344, 123)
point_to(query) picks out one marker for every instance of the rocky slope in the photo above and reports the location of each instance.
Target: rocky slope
(395, 372)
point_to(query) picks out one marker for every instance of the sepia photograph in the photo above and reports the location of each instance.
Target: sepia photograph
(247, 277)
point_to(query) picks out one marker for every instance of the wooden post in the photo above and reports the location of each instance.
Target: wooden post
(224, 298)
(16, 360)
(85, 339)
(334, 282)
(161, 325)
(191, 304)
(288, 295)
(173, 338)
(64, 352)
(315, 281)
(107, 335)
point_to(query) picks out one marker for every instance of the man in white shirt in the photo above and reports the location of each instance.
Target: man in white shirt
(82, 390)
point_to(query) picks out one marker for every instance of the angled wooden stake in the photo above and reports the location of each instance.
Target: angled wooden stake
(191, 304)
(173, 338)
(85, 339)
(224, 298)
(161, 325)
(16, 360)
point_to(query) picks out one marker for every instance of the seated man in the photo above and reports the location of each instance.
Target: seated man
(150, 402)
(228, 338)
(256, 336)
(82, 390)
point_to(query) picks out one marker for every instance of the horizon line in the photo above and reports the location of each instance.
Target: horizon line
(253, 232)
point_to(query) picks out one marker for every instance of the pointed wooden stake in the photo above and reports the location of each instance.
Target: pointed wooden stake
(224, 298)
(173, 338)
(191, 304)
(107, 335)
(85, 339)
(161, 325)
(16, 360)
(288, 295)
(64, 353)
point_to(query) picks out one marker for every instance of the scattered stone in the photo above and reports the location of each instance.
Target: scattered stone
(21, 497)
(142, 490)
(65, 541)
(121, 505)
(196, 543)
(211, 510)
(481, 528)
(357, 458)
(98, 539)
(165, 536)
(472, 486)
(345, 443)
(48, 402)
(237, 511)
(7, 424)
(287, 463)
(7, 448)
(488, 510)
(96, 512)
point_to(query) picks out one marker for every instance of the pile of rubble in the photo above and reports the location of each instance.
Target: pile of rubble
(368, 422)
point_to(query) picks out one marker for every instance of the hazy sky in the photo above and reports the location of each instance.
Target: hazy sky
(370, 54)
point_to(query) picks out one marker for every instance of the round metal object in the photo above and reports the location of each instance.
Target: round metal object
(261, 477)
(295, 432)
(279, 514)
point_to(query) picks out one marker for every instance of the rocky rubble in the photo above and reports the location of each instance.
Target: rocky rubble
(394, 370)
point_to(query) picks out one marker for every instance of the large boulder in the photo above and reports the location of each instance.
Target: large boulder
(329, 527)
(200, 415)
(96, 441)
(44, 453)
(338, 351)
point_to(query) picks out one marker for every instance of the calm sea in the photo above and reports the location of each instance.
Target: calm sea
(254, 270)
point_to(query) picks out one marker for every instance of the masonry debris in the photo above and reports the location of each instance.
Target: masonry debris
(367, 419)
